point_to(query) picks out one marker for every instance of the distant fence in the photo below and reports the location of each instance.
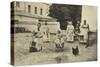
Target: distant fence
(21, 27)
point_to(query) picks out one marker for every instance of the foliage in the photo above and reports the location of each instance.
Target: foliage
(64, 12)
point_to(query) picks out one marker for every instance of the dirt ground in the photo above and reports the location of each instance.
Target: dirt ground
(49, 54)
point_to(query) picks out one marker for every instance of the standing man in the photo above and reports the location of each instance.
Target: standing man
(46, 30)
(38, 26)
(46, 35)
(39, 36)
(77, 30)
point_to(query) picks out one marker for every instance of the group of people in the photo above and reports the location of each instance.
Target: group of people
(80, 32)
(39, 36)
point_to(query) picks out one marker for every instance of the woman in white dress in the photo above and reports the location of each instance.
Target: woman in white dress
(84, 31)
(70, 32)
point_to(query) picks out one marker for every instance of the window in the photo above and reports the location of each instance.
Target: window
(29, 8)
(17, 4)
(41, 11)
(35, 10)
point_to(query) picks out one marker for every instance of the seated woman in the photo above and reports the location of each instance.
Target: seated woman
(33, 47)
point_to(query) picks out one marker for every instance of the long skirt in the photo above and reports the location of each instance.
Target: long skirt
(84, 32)
(70, 36)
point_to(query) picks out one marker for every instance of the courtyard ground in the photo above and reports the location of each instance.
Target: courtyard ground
(48, 54)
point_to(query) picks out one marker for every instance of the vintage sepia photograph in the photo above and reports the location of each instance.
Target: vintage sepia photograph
(50, 33)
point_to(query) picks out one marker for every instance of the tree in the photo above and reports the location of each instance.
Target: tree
(64, 12)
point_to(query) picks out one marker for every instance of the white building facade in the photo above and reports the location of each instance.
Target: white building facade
(28, 14)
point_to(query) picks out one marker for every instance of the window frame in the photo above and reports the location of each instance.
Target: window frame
(35, 10)
(29, 8)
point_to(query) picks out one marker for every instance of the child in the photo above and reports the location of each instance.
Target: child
(59, 42)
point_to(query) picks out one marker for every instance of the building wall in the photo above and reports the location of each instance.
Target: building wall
(23, 6)
(89, 13)
(29, 20)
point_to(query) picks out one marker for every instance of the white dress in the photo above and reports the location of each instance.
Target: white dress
(84, 31)
(70, 33)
